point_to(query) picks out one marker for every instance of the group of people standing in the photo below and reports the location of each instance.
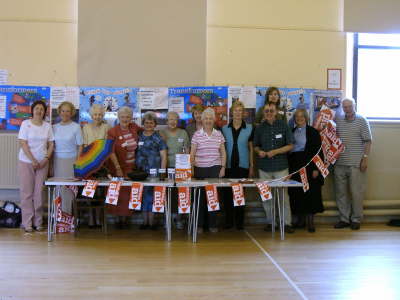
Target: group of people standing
(238, 150)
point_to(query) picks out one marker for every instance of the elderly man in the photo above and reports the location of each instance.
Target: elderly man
(351, 167)
(272, 140)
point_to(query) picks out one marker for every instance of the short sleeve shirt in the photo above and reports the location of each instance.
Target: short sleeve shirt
(148, 153)
(67, 138)
(175, 144)
(37, 138)
(207, 148)
(269, 137)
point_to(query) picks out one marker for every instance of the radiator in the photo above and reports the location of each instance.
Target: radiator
(8, 160)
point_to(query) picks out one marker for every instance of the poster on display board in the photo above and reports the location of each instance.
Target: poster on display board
(153, 99)
(215, 97)
(61, 94)
(16, 101)
(291, 99)
(111, 98)
(328, 99)
(246, 95)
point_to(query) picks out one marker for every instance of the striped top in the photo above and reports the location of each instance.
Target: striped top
(207, 148)
(354, 134)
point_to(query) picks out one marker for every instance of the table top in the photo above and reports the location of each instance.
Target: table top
(220, 182)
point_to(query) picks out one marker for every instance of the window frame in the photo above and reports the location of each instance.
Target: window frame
(356, 48)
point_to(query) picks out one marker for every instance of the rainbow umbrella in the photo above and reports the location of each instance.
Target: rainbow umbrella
(92, 158)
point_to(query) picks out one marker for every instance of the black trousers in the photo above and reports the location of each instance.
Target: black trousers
(209, 218)
(233, 215)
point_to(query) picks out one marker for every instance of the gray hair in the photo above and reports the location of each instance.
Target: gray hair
(302, 111)
(172, 114)
(96, 107)
(350, 100)
(149, 116)
(125, 110)
(208, 112)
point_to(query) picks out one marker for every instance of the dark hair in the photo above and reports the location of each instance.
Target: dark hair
(269, 92)
(39, 102)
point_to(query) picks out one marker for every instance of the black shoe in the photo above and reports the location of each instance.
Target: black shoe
(355, 226)
(144, 227)
(268, 227)
(341, 224)
(228, 226)
(311, 229)
(289, 229)
(154, 227)
(240, 227)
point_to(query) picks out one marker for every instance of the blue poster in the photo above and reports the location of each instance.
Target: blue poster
(16, 101)
(215, 97)
(111, 98)
(291, 99)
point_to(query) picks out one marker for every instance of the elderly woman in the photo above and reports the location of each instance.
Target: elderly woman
(68, 147)
(151, 154)
(196, 123)
(97, 130)
(177, 142)
(208, 158)
(272, 96)
(125, 136)
(307, 143)
(239, 146)
(36, 140)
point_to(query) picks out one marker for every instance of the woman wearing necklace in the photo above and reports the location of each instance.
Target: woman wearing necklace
(67, 148)
(239, 148)
(307, 143)
(36, 140)
(125, 137)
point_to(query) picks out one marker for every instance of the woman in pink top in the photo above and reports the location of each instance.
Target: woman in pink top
(208, 158)
(37, 143)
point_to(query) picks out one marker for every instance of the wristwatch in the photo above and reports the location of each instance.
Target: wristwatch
(365, 156)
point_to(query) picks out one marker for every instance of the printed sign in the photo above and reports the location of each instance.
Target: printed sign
(113, 192)
(159, 199)
(90, 188)
(183, 200)
(304, 179)
(238, 194)
(265, 191)
(135, 201)
(212, 197)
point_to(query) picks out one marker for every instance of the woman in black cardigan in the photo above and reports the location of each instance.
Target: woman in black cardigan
(307, 143)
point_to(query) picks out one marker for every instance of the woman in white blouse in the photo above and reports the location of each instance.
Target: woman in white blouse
(36, 140)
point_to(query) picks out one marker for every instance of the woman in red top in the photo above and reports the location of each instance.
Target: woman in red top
(125, 136)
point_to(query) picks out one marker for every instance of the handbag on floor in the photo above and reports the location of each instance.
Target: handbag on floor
(10, 215)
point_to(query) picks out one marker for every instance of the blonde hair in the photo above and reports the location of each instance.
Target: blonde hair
(71, 106)
(236, 104)
(172, 113)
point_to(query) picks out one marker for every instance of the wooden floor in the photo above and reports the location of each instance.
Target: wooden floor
(131, 264)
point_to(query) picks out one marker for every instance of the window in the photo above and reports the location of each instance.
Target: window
(376, 75)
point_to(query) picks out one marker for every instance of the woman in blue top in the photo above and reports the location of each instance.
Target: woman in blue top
(239, 148)
(151, 154)
(68, 147)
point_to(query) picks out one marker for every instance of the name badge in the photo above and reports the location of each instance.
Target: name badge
(278, 136)
(180, 140)
(141, 143)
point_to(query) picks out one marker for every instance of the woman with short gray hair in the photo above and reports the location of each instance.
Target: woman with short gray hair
(208, 158)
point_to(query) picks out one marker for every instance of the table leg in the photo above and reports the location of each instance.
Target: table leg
(168, 214)
(191, 215)
(283, 213)
(196, 219)
(49, 201)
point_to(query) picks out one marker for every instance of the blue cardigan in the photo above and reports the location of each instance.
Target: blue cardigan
(243, 145)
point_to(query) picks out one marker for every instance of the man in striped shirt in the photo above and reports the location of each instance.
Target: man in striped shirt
(350, 169)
